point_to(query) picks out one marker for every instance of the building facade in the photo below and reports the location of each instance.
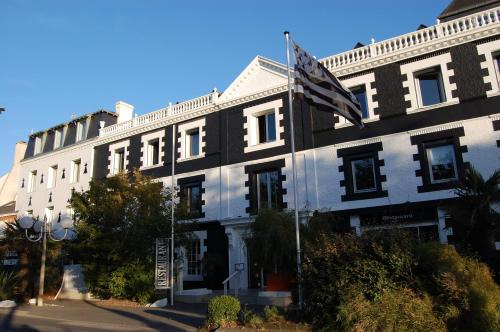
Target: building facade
(431, 106)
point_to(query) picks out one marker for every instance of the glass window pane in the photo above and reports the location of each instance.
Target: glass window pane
(442, 163)
(194, 141)
(360, 94)
(271, 127)
(273, 182)
(262, 128)
(262, 190)
(430, 88)
(363, 175)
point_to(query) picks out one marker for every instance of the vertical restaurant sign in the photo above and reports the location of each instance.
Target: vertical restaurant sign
(162, 267)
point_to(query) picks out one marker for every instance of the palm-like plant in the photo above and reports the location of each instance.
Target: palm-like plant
(474, 212)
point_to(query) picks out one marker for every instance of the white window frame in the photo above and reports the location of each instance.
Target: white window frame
(49, 214)
(183, 141)
(74, 174)
(201, 236)
(429, 163)
(252, 126)
(81, 130)
(353, 82)
(32, 178)
(414, 68)
(145, 140)
(113, 148)
(52, 177)
(490, 50)
(355, 190)
(416, 77)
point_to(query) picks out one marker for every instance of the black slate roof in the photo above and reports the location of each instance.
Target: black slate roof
(458, 8)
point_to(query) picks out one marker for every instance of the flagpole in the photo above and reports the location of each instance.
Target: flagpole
(294, 166)
(172, 207)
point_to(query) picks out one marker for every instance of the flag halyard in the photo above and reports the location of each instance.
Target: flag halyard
(319, 87)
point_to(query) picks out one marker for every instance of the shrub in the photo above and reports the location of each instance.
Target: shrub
(8, 282)
(467, 295)
(255, 322)
(223, 310)
(271, 314)
(133, 281)
(394, 310)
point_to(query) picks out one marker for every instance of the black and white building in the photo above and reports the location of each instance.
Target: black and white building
(431, 105)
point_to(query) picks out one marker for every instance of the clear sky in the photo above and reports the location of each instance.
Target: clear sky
(59, 57)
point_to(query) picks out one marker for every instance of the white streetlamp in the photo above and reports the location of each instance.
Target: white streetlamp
(43, 228)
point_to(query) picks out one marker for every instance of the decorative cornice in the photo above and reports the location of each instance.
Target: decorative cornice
(77, 146)
(358, 143)
(435, 129)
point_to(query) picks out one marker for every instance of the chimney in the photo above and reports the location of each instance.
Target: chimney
(124, 111)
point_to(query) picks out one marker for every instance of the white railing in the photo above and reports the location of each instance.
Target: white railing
(171, 110)
(226, 282)
(438, 31)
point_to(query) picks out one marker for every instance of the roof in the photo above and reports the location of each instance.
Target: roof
(459, 8)
(74, 120)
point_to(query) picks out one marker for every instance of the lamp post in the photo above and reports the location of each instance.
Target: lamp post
(44, 228)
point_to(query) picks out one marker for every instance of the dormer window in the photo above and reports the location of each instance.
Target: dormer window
(59, 137)
(81, 130)
(38, 145)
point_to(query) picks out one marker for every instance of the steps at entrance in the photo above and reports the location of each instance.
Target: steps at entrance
(74, 284)
(246, 296)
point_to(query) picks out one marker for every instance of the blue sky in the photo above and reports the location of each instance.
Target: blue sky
(59, 57)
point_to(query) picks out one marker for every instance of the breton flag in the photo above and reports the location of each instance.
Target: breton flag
(315, 84)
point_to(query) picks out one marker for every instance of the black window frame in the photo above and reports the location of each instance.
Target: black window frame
(184, 185)
(349, 155)
(252, 172)
(424, 141)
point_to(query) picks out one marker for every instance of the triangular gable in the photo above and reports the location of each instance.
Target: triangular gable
(259, 75)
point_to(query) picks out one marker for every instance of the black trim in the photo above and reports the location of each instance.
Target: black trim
(350, 154)
(193, 181)
(250, 171)
(468, 75)
(450, 136)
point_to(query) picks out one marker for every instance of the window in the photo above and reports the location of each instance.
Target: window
(81, 130)
(442, 163)
(75, 171)
(263, 126)
(193, 256)
(38, 145)
(361, 171)
(191, 198)
(266, 127)
(59, 137)
(51, 183)
(32, 182)
(192, 143)
(496, 63)
(430, 88)
(267, 189)
(360, 94)
(119, 161)
(363, 174)
(153, 153)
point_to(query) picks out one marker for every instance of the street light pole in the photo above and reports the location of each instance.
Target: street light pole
(26, 223)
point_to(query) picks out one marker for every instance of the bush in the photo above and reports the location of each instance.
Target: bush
(467, 295)
(271, 314)
(8, 282)
(255, 322)
(223, 310)
(133, 281)
(395, 310)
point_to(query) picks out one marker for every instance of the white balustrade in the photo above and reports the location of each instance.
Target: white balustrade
(169, 111)
(440, 30)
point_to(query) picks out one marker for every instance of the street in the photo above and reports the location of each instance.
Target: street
(76, 316)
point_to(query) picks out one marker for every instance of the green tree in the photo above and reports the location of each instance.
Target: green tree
(118, 220)
(476, 221)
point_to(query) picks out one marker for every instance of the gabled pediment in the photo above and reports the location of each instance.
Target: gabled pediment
(261, 74)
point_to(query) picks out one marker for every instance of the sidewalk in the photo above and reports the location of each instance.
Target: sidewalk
(75, 316)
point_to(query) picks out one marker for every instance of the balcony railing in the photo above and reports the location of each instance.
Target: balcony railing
(438, 31)
(171, 110)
